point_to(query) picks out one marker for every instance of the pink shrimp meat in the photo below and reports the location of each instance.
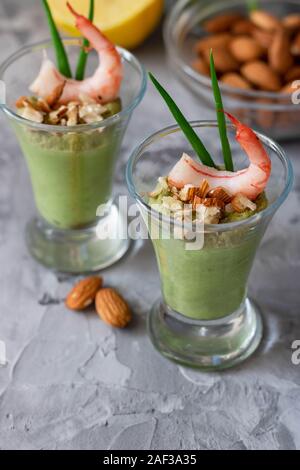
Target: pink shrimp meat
(250, 181)
(103, 86)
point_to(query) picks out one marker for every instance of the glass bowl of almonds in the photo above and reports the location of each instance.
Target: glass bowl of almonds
(256, 48)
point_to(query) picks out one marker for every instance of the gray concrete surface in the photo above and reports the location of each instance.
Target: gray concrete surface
(72, 382)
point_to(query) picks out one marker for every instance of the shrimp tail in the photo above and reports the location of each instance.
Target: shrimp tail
(251, 144)
(72, 10)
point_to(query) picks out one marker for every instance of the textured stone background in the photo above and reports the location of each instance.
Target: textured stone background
(73, 383)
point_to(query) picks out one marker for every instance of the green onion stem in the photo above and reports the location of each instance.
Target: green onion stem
(61, 56)
(220, 116)
(184, 125)
(82, 60)
(253, 5)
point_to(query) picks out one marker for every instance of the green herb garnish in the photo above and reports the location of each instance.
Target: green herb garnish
(220, 116)
(61, 56)
(83, 53)
(184, 125)
(253, 5)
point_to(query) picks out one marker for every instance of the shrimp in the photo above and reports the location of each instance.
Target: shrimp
(250, 181)
(103, 86)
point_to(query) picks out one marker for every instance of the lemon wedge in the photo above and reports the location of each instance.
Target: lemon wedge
(126, 23)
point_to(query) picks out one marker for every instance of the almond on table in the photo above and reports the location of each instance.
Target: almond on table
(83, 293)
(112, 308)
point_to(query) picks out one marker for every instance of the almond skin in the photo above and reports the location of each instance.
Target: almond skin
(245, 49)
(295, 48)
(280, 57)
(292, 74)
(201, 66)
(264, 20)
(242, 27)
(112, 308)
(224, 61)
(235, 80)
(221, 23)
(260, 74)
(292, 22)
(264, 38)
(211, 42)
(83, 293)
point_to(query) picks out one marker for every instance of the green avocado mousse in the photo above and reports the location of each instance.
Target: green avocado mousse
(71, 171)
(207, 202)
(70, 126)
(210, 282)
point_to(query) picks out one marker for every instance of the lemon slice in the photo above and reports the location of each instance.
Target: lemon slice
(125, 22)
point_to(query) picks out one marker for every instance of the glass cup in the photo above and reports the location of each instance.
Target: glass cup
(204, 318)
(72, 168)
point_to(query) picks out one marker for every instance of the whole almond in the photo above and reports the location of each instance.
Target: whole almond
(292, 22)
(112, 308)
(245, 49)
(265, 20)
(280, 57)
(260, 74)
(292, 74)
(264, 38)
(201, 66)
(224, 61)
(221, 23)
(83, 293)
(235, 80)
(295, 48)
(211, 42)
(242, 27)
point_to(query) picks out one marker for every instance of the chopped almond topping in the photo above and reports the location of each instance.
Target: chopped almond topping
(220, 193)
(203, 189)
(208, 202)
(240, 203)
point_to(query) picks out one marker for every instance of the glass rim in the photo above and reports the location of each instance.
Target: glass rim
(269, 210)
(125, 54)
(202, 80)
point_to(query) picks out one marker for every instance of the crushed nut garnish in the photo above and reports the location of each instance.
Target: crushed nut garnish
(208, 202)
(203, 189)
(220, 193)
(84, 111)
(240, 203)
(31, 114)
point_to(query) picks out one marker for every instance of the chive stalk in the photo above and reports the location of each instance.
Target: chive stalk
(82, 60)
(61, 55)
(184, 125)
(253, 5)
(220, 116)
